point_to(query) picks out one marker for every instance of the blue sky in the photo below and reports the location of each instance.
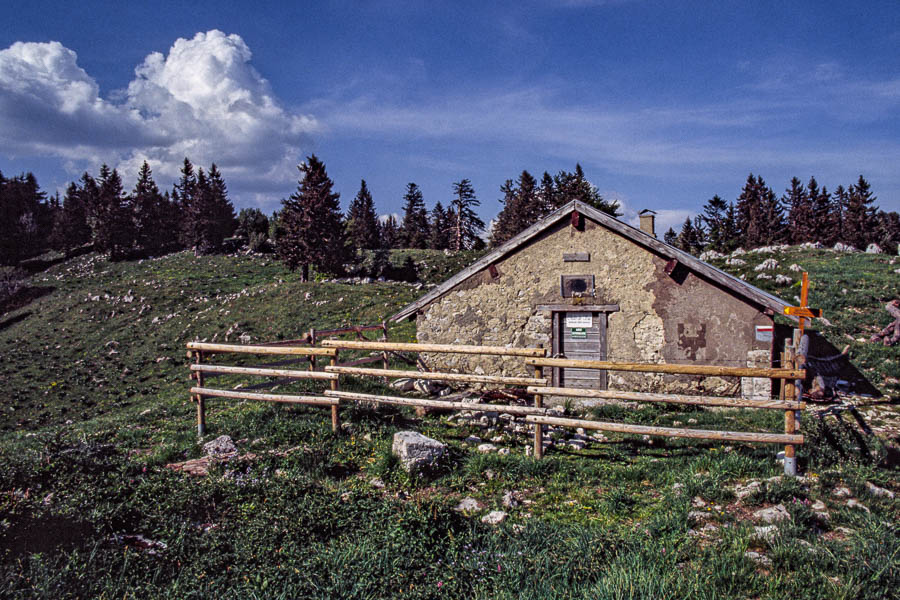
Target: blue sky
(663, 103)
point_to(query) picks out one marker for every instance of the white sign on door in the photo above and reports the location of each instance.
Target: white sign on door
(578, 320)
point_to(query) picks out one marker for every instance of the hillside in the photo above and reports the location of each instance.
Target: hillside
(94, 369)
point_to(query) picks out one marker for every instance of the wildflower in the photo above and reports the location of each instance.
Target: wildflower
(440, 584)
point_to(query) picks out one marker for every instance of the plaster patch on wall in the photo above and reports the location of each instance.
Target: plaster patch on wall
(649, 338)
(757, 388)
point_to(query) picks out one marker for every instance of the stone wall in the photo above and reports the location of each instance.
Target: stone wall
(660, 319)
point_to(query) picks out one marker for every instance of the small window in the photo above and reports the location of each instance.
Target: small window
(576, 286)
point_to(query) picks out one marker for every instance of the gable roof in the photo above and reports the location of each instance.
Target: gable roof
(730, 282)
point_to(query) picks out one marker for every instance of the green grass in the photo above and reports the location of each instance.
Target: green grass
(86, 434)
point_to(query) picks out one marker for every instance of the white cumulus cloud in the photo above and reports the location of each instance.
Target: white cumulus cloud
(203, 99)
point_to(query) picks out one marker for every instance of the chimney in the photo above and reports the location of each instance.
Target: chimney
(648, 221)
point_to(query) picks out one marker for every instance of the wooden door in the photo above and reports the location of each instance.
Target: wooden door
(580, 336)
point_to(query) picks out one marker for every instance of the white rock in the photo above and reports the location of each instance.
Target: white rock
(874, 249)
(878, 492)
(376, 483)
(770, 264)
(469, 505)
(841, 492)
(760, 559)
(708, 255)
(796, 268)
(841, 247)
(221, 446)
(404, 384)
(742, 491)
(473, 439)
(503, 451)
(765, 533)
(783, 279)
(416, 450)
(763, 276)
(510, 499)
(736, 262)
(495, 517)
(738, 252)
(486, 448)
(854, 503)
(772, 514)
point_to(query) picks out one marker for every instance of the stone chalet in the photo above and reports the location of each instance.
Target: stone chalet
(588, 286)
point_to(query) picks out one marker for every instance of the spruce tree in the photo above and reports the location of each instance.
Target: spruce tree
(312, 222)
(801, 213)
(670, 237)
(467, 224)
(439, 228)
(760, 215)
(887, 231)
(414, 229)
(183, 195)
(575, 186)
(220, 220)
(112, 228)
(74, 220)
(505, 226)
(859, 222)
(690, 239)
(839, 202)
(362, 222)
(25, 218)
(548, 195)
(390, 234)
(826, 222)
(715, 216)
(148, 213)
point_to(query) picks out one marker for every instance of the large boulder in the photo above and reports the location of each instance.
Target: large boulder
(417, 451)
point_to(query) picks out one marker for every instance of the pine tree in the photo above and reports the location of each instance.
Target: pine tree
(468, 226)
(826, 222)
(504, 227)
(760, 215)
(859, 223)
(414, 229)
(887, 231)
(220, 219)
(111, 227)
(362, 222)
(25, 219)
(574, 186)
(801, 213)
(183, 195)
(670, 237)
(439, 228)
(311, 217)
(74, 218)
(548, 195)
(149, 213)
(715, 216)
(390, 234)
(689, 239)
(839, 214)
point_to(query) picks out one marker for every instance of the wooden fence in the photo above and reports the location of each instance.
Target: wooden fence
(790, 400)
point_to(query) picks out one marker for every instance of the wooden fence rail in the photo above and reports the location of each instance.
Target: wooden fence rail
(790, 399)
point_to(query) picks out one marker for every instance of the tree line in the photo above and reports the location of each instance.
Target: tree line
(803, 213)
(97, 210)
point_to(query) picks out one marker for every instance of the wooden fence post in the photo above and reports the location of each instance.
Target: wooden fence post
(312, 342)
(335, 417)
(790, 459)
(538, 428)
(201, 402)
(384, 354)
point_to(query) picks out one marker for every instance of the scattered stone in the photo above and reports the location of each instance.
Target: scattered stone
(472, 439)
(486, 448)
(377, 483)
(678, 488)
(495, 517)
(841, 247)
(140, 542)
(510, 499)
(489, 474)
(735, 262)
(699, 516)
(773, 514)
(424, 386)
(796, 268)
(503, 451)
(698, 502)
(854, 503)
(416, 450)
(783, 279)
(763, 276)
(709, 255)
(841, 492)
(576, 444)
(748, 489)
(404, 384)
(692, 421)
(770, 264)
(820, 511)
(878, 492)
(765, 533)
(221, 446)
(760, 559)
(874, 249)
(468, 505)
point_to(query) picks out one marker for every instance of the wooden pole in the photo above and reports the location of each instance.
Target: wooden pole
(229, 370)
(790, 460)
(708, 370)
(312, 342)
(280, 398)
(668, 398)
(201, 403)
(335, 417)
(734, 436)
(463, 377)
(443, 404)
(288, 350)
(449, 348)
(538, 428)
(384, 354)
